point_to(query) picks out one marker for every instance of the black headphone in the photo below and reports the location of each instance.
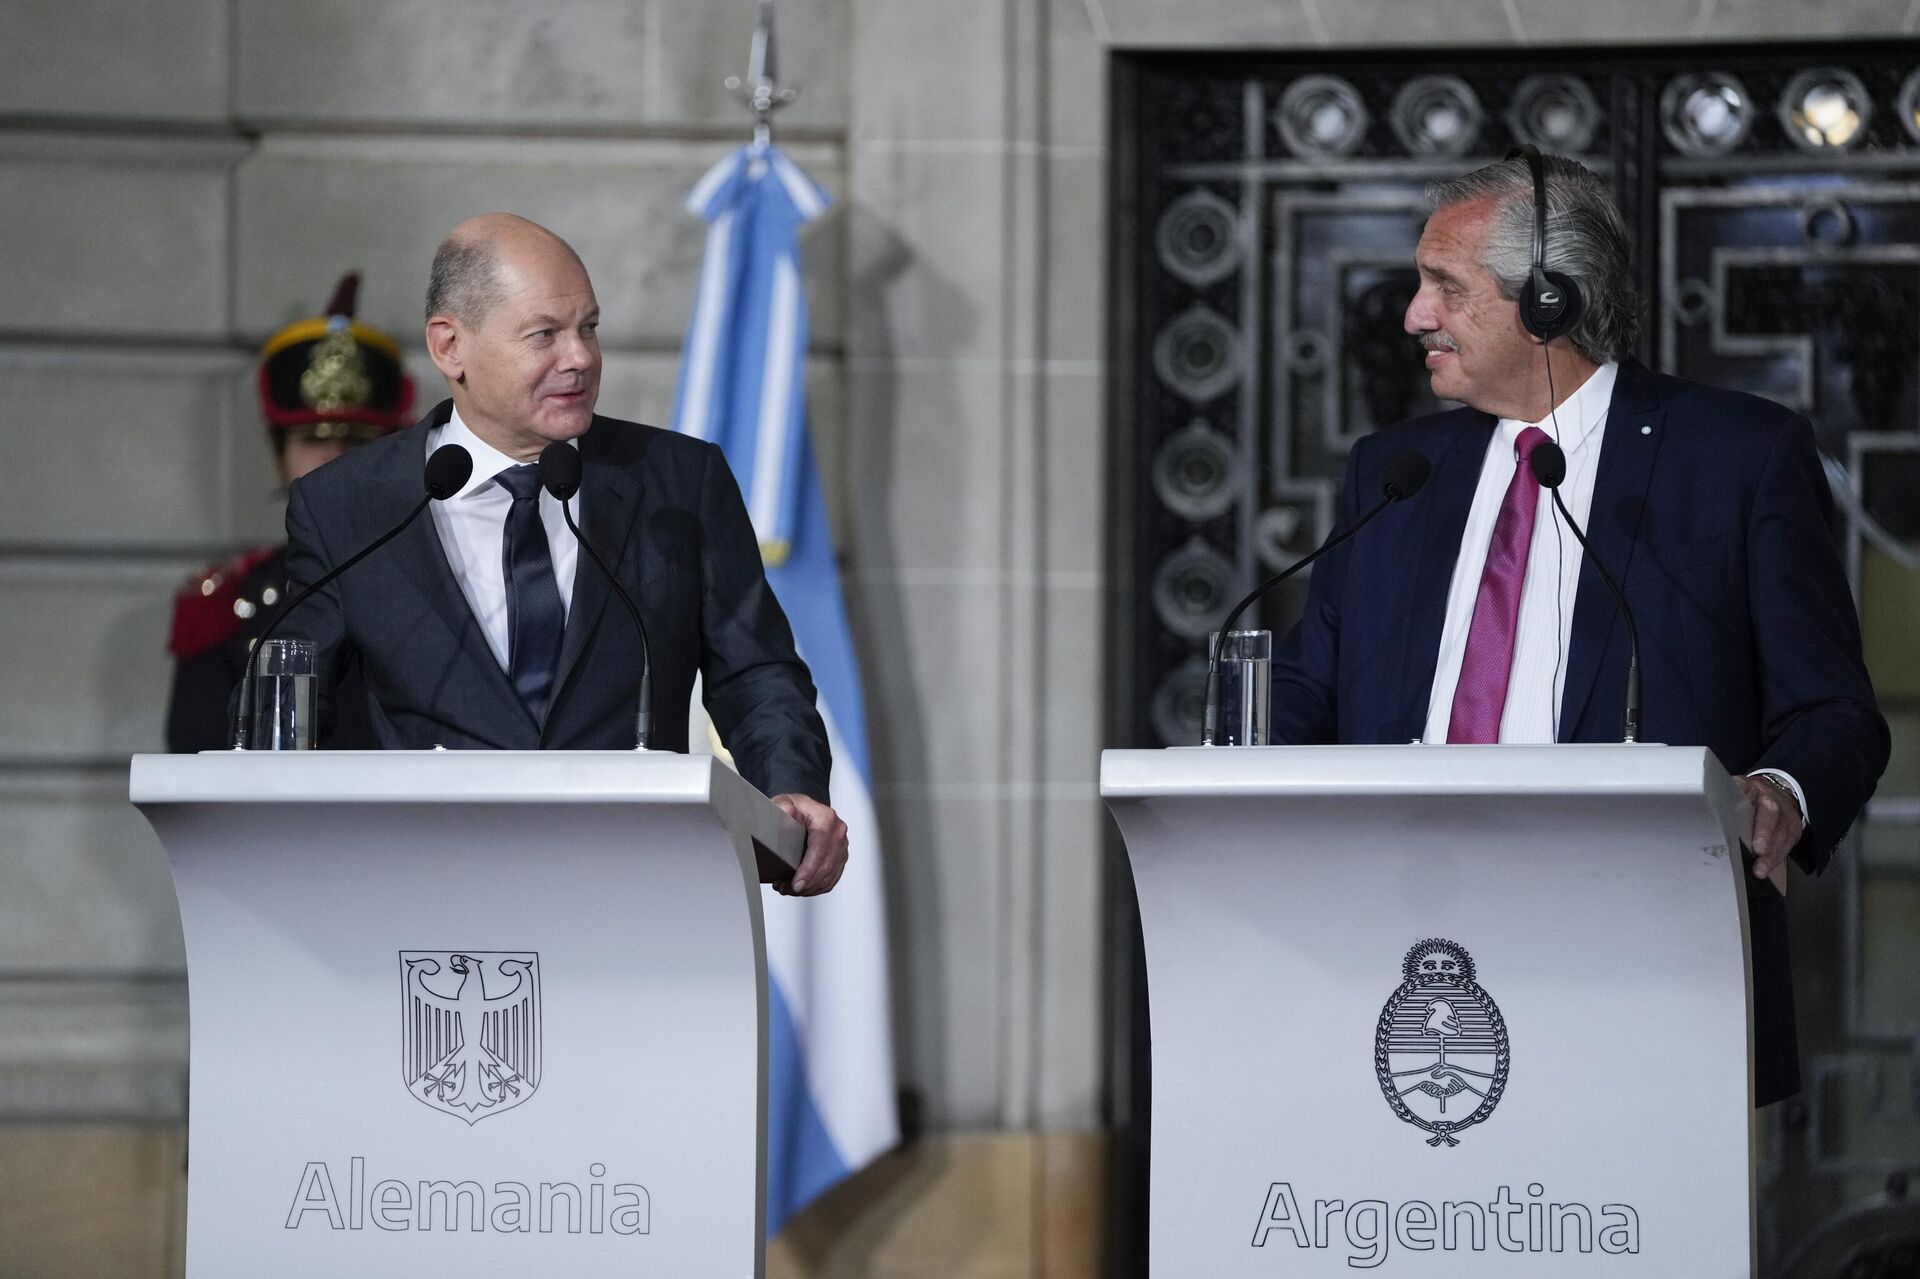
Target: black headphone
(1550, 302)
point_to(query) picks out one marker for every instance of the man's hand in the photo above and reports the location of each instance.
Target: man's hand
(1776, 824)
(826, 855)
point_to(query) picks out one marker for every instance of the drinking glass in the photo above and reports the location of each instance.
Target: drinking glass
(283, 696)
(1246, 678)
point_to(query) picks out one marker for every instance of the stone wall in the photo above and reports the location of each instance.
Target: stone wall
(178, 193)
(176, 182)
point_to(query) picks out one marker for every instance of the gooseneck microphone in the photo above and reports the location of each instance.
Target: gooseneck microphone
(560, 476)
(1549, 465)
(447, 473)
(1406, 473)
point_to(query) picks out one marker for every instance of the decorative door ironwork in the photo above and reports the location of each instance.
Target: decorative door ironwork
(1267, 212)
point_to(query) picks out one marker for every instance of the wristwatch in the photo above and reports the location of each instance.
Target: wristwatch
(1782, 787)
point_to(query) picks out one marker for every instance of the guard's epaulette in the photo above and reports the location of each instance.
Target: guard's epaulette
(204, 612)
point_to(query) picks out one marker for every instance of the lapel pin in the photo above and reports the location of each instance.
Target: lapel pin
(1646, 428)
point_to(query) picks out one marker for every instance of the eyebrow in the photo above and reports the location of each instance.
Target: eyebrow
(544, 321)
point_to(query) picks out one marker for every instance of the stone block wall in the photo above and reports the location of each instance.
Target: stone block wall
(974, 382)
(176, 182)
(176, 193)
(173, 194)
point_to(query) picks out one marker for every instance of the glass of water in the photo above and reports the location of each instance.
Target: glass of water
(1245, 681)
(283, 696)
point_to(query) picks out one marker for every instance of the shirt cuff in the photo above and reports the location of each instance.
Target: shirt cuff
(1786, 779)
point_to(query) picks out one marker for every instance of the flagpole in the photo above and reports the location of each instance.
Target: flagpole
(829, 1038)
(761, 91)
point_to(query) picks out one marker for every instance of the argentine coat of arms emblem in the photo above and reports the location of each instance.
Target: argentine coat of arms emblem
(1441, 1052)
(470, 1029)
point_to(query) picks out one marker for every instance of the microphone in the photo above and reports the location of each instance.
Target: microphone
(1406, 473)
(1549, 466)
(447, 473)
(560, 476)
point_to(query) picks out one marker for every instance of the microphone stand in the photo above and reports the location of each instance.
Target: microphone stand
(447, 469)
(644, 720)
(1632, 728)
(243, 723)
(1211, 720)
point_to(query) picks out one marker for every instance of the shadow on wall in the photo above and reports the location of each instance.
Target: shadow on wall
(894, 671)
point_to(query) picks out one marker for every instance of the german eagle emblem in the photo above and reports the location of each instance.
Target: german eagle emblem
(470, 1029)
(1440, 1052)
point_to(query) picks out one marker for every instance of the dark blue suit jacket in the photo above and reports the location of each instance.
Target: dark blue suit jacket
(1712, 510)
(665, 512)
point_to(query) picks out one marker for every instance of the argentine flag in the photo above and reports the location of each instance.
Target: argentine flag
(830, 1099)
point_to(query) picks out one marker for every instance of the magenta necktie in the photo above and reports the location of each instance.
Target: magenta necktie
(1481, 694)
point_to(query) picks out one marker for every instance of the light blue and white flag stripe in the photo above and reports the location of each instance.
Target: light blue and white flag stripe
(830, 1100)
(741, 382)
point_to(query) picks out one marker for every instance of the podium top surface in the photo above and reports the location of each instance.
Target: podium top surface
(1202, 771)
(467, 777)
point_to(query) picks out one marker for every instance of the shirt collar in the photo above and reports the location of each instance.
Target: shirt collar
(1579, 417)
(488, 461)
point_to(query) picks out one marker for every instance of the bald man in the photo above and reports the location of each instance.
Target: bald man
(485, 628)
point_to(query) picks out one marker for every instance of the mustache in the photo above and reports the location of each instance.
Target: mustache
(1437, 342)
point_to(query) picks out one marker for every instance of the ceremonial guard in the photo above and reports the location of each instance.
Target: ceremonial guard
(325, 384)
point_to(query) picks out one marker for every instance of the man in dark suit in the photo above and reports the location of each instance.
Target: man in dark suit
(1468, 615)
(485, 628)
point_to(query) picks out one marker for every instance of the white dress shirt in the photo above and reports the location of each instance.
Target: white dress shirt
(1537, 681)
(472, 525)
(1538, 678)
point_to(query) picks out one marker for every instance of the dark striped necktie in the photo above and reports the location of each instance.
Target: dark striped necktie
(536, 619)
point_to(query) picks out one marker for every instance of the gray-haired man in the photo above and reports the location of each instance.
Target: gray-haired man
(1473, 617)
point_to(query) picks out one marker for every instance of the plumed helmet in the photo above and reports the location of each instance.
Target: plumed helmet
(332, 376)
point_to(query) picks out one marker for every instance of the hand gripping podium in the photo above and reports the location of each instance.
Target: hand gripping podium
(472, 1013)
(1443, 1010)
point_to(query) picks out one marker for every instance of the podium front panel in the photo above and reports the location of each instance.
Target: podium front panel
(1441, 1013)
(478, 1034)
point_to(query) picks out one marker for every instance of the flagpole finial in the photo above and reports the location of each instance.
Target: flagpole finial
(760, 91)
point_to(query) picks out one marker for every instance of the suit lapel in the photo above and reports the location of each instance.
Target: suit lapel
(1627, 454)
(1443, 523)
(424, 560)
(610, 502)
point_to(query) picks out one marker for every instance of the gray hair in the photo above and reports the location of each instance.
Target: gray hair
(1586, 238)
(465, 279)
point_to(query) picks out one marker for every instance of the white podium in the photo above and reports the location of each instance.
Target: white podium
(1442, 1010)
(471, 1013)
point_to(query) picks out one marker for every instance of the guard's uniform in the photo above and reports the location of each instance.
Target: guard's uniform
(328, 377)
(217, 617)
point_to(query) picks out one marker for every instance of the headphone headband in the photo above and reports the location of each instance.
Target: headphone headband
(1537, 166)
